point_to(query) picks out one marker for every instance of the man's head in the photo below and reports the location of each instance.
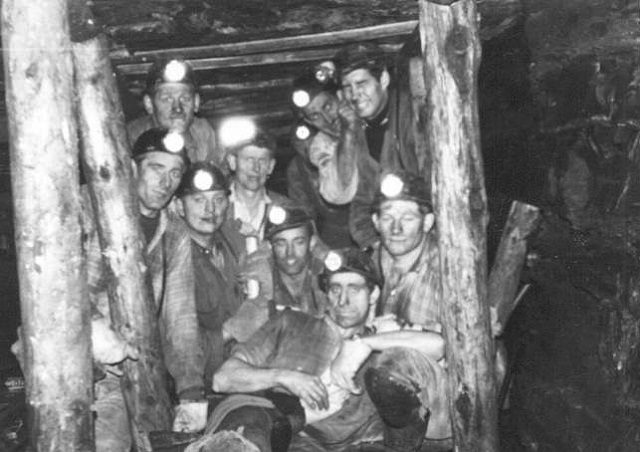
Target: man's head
(314, 97)
(291, 234)
(352, 286)
(171, 95)
(403, 213)
(160, 158)
(253, 161)
(202, 198)
(364, 78)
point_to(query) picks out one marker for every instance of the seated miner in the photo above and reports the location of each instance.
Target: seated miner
(171, 101)
(366, 82)
(287, 270)
(325, 362)
(160, 160)
(331, 146)
(216, 247)
(251, 159)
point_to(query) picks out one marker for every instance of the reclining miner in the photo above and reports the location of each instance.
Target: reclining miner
(326, 362)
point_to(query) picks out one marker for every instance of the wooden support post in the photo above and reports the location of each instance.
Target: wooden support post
(505, 273)
(56, 333)
(451, 50)
(108, 170)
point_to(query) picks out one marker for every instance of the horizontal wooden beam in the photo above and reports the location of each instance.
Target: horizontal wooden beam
(336, 38)
(250, 60)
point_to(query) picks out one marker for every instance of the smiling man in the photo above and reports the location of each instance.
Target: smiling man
(325, 174)
(171, 101)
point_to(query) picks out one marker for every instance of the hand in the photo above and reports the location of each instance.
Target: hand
(310, 389)
(191, 416)
(108, 346)
(348, 116)
(496, 326)
(344, 367)
(386, 323)
(257, 266)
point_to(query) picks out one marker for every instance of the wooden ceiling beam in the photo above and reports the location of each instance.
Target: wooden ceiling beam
(295, 56)
(336, 38)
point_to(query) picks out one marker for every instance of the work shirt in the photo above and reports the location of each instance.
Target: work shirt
(217, 295)
(168, 258)
(414, 295)
(297, 341)
(312, 300)
(200, 139)
(253, 220)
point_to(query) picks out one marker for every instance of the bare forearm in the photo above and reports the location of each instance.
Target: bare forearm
(236, 375)
(431, 344)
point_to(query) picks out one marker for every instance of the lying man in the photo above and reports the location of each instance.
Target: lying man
(320, 361)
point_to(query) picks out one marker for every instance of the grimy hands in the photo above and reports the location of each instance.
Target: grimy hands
(347, 113)
(310, 389)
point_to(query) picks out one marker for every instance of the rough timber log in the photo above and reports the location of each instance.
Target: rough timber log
(108, 169)
(505, 273)
(46, 193)
(451, 49)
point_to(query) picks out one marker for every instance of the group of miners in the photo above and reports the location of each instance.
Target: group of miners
(304, 322)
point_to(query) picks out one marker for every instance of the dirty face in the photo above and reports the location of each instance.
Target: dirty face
(204, 212)
(173, 106)
(252, 166)
(367, 93)
(158, 177)
(349, 299)
(322, 113)
(402, 225)
(291, 249)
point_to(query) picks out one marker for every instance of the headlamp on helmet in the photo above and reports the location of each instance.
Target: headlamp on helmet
(348, 260)
(305, 131)
(301, 98)
(282, 218)
(400, 185)
(325, 71)
(173, 142)
(237, 131)
(202, 177)
(277, 215)
(159, 140)
(170, 71)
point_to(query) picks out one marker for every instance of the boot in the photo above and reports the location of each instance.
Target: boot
(399, 407)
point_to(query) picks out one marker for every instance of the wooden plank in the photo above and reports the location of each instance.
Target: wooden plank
(56, 335)
(337, 38)
(108, 170)
(451, 52)
(505, 273)
(250, 60)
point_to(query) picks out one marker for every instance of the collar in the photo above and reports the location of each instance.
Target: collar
(233, 198)
(382, 118)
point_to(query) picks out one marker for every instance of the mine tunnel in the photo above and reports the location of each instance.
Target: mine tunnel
(559, 122)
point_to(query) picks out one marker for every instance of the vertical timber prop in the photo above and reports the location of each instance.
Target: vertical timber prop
(56, 328)
(108, 170)
(451, 50)
(504, 278)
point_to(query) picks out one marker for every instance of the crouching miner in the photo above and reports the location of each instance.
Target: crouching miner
(326, 363)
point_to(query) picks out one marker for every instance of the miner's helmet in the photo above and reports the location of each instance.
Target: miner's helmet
(238, 132)
(174, 70)
(160, 140)
(363, 55)
(401, 185)
(348, 260)
(202, 177)
(309, 85)
(281, 218)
